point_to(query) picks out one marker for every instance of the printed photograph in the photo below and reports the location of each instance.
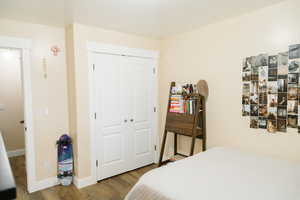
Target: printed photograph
(283, 60)
(282, 99)
(252, 60)
(272, 100)
(261, 60)
(254, 72)
(272, 74)
(272, 113)
(246, 110)
(246, 89)
(272, 87)
(246, 76)
(292, 92)
(263, 98)
(283, 64)
(293, 78)
(263, 111)
(292, 107)
(281, 112)
(253, 122)
(271, 126)
(253, 110)
(254, 76)
(254, 99)
(262, 123)
(254, 87)
(294, 66)
(245, 100)
(294, 51)
(282, 85)
(247, 65)
(292, 121)
(299, 97)
(263, 73)
(298, 117)
(273, 61)
(281, 125)
(262, 86)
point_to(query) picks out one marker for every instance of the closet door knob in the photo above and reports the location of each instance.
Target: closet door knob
(125, 120)
(131, 120)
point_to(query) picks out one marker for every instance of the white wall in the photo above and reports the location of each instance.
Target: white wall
(11, 99)
(215, 53)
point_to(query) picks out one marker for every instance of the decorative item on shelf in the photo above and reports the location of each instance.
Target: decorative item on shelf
(202, 88)
(270, 91)
(55, 50)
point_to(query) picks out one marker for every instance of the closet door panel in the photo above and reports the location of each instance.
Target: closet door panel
(111, 129)
(142, 111)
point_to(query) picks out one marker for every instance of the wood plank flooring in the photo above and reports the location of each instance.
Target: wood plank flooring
(114, 188)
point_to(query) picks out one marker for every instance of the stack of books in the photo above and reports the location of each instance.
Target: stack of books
(180, 105)
(176, 104)
(189, 106)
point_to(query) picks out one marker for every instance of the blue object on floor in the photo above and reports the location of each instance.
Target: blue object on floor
(65, 160)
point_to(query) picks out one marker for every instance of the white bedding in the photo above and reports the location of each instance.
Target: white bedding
(221, 174)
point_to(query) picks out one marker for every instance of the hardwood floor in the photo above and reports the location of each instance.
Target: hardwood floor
(114, 188)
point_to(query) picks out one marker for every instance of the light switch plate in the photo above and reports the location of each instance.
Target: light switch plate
(2, 107)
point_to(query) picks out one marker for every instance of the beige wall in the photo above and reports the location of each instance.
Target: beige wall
(11, 99)
(50, 93)
(215, 53)
(80, 35)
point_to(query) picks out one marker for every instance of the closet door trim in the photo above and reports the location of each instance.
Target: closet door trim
(93, 47)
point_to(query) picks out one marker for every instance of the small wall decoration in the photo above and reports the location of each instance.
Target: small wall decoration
(271, 94)
(45, 70)
(55, 50)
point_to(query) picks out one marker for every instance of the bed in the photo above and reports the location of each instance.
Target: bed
(221, 174)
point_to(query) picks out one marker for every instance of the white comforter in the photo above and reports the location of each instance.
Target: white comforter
(221, 174)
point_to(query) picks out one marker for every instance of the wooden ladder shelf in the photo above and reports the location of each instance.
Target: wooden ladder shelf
(191, 125)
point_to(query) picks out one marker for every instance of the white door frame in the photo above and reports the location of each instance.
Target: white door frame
(93, 47)
(24, 45)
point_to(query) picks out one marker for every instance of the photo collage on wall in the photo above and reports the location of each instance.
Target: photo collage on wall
(271, 90)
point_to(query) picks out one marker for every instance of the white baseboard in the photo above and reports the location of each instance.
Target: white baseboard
(84, 182)
(43, 184)
(17, 152)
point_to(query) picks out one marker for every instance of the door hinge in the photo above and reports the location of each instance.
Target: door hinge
(93, 67)
(154, 109)
(155, 147)
(96, 163)
(95, 115)
(154, 70)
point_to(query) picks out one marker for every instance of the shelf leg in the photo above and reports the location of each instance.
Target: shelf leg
(175, 143)
(162, 148)
(204, 144)
(193, 145)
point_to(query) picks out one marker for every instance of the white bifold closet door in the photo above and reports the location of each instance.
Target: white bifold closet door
(124, 100)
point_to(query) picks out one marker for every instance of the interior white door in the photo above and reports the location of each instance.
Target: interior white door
(141, 111)
(124, 100)
(111, 105)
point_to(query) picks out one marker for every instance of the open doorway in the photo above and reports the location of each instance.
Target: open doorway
(12, 111)
(11, 102)
(16, 116)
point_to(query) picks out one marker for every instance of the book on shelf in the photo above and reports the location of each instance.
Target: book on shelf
(180, 105)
